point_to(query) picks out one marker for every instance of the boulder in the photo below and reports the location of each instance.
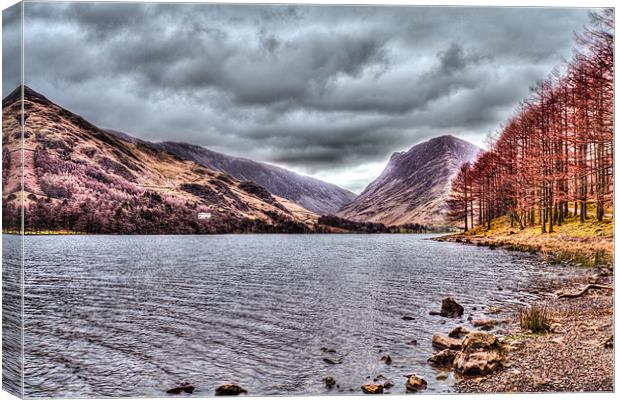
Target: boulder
(481, 354)
(229, 389)
(415, 383)
(445, 342)
(458, 332)
(329, 382)
(478, 362)
(444, 358)
(450, 308)
(372, 388)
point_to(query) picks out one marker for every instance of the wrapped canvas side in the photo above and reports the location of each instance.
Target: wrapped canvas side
(12, 201)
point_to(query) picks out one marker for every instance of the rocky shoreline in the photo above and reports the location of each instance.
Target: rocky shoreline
(576, 354)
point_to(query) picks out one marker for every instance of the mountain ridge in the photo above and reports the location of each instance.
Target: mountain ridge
(313, 194)
(78, 177)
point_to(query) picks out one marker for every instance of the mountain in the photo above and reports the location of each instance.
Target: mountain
(78, 177)
(414, 185)
(310, 193)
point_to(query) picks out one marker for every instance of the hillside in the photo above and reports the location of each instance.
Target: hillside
(414, 185)
(78, 177)
(312, 194)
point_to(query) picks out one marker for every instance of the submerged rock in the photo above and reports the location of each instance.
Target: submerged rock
(450, 308)
(443, 358)
(484, 324)
(229, 389)
(185, 387)
(442, 376)
(458, 332)
(415, 383)
(387, 359)
(329, 382)
(445, 342)
(372, 388)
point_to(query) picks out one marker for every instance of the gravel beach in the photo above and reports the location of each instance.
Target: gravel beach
(577, 355)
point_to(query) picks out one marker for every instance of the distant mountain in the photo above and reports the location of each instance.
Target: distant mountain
(78, 177)
(414, 185)
(310, 193)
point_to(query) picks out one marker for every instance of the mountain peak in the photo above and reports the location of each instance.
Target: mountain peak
(414, 185)
(29, 94)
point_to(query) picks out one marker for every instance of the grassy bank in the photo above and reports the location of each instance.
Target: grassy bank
(587, 244)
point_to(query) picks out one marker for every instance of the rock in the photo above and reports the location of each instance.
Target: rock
(458, 332)
(387, 359)
(185, 387)
(384, 381)
(372, 388)
(407, 318)
(450, 308)
(609, 343)
(327, 350)
(478, 362)
(413, 342)
(434, 313)
(557, 340)
(484, 324)
(494, 310)
(415, 383)
(480, 340)
(444, 342)
(444, 358)
(442, 376)
(329, 382)
(379, 378)
(481, 354)
(331, 362)
(229, 389)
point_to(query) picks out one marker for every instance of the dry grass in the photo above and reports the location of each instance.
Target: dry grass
(535, 319)
(588, 244)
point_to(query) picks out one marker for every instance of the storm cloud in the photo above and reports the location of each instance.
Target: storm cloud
(326, 91)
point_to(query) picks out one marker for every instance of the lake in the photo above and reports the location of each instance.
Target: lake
(136, 315)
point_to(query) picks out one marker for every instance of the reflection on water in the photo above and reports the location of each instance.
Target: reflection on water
(135, 315)
(12, 355)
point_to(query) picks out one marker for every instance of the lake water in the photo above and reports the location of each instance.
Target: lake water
(136, 315)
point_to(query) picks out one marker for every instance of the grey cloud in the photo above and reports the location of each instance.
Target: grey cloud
(317, 89)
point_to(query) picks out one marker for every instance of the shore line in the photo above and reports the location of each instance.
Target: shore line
(575, 354)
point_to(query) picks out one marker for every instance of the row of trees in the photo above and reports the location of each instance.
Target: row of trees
(556, 151)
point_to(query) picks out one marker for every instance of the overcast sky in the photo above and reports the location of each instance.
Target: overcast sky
(330, 92)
